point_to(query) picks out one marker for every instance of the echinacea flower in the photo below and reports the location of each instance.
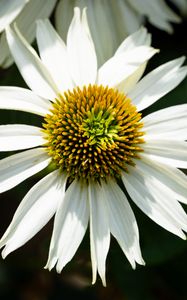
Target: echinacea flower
(115, 20)
(24, 13)
(95, 136)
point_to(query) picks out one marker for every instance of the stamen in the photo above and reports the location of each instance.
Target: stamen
(94, 132)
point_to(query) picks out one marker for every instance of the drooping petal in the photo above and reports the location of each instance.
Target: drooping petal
(169, 152)
(18, 167)
(9, 10)
(121, 66)
(99, 231)
(19, 137)
(168, 123)
(70, 225)
(122, 222)
(156, 202)
(157, 12)
(32, 69)
(170, 177)
(81, 51)
(53, 53)
(17, 98)
(35, 210)
(158, 83)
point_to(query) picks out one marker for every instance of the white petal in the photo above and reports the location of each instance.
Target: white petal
(26, 22)
(99, 231)
(168, 123)
(122, 222)
(33, 71)
(70, 225)
(156, 202)
(35, 210)
(158, 83)
(53, 53)
(81, 51)
(9, 10)
(138, 38)
(157, 12)
(18, 137)
(18, 167)
(17, 98)
(169, 152)
(121, 66)
(171, 177)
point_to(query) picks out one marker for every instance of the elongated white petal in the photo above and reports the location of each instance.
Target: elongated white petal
(138, 38)
(18, 167)
(17, 137)
(17, 98)
(99, 231)
(158, 83)
(9, 10)
(81, 51)
(35, 210)
(33, 71)
(168, 123)
(155, 202)
(53, 53)
(121, 66)
(171, 177)
(169, 152)
(122, 222)
(70, 225)
(26, 22)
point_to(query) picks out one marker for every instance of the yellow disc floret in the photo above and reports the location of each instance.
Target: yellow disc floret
(93, 132)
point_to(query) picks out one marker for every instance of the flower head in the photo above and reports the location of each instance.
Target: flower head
(94, 134)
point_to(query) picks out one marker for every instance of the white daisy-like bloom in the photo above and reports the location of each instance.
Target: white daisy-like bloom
(24, 13)
(95, 137)
(115, 20)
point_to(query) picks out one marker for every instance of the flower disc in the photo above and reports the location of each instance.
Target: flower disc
(93, 132)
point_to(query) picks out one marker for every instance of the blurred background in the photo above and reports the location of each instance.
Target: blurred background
(163, 278)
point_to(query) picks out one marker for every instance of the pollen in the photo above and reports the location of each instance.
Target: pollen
(94, 132)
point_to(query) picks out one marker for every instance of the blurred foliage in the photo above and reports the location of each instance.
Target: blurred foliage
(164, 276)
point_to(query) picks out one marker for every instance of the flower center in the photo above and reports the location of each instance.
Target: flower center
(94, 132)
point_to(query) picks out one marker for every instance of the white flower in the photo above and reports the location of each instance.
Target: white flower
(115, 20)
(24, 13)
(94, 135)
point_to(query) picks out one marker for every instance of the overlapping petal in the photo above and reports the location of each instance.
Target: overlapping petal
(26, 22)
(18, 167)
(156, 202)
(81, 51)
(158, 83)
(32, 69)
(35, 210)
(17, 98)
(19, 137)
(122, 222)
(54, 55)
(70, 225)
(99, 231)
